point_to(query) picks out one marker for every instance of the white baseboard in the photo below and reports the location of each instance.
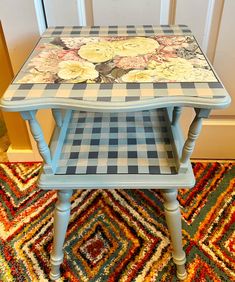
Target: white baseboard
(217, 140)
(22, 155)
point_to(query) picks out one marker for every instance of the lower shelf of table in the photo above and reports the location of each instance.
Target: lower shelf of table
(48, 182)
(107, 150)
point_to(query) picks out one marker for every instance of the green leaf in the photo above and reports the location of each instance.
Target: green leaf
(107, 79)
(58, 42)
(105, 68)
(117, 72)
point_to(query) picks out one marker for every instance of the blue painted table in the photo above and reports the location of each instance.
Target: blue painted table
(116, 95)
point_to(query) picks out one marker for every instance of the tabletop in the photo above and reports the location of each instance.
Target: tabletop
(116, 68)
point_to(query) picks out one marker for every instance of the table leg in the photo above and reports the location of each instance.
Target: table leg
(173, 219)
(176, 115)
(61, 220)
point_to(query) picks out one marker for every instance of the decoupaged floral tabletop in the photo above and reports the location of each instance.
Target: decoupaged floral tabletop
(123, 59)
(105, 68)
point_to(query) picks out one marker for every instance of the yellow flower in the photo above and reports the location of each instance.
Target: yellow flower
(97, 52)
(153, 64)
(77, 71)
(176, 69)
(180, 70)
(139, 76)
(200, 75)
(135, 46)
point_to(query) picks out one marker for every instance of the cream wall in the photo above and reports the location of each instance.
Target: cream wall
(22, 30)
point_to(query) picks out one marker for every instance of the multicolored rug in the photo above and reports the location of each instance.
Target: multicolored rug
(117, 235)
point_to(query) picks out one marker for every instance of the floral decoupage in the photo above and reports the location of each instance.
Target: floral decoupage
(118, 60)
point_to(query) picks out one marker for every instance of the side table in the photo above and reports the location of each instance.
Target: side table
(116, 94)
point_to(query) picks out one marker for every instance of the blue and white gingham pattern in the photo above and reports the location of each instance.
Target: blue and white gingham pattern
(118, 143)
(128, 30)
(119, 92)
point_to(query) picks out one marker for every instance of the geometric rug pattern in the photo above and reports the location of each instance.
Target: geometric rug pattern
(117, 235)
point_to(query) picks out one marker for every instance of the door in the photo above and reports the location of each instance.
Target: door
(212, 23)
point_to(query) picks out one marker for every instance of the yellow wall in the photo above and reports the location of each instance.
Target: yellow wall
(16, 127)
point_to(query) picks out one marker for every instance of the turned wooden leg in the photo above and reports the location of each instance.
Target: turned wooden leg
(61, 220)
(173, 219)
(176, 115)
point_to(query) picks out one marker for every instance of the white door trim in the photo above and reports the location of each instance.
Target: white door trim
(81, 8)
(212, 27)
(168, 11)
(40, 16)
(85, 12)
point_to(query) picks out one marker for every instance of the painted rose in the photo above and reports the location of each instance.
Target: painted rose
(161, 56)
(97, 52)
(153, 64)
(199, 75)
(139, 76)
(47, 61)
(77, 71)
(77, 42)
(66, 55)
(199, 62)
(137, 62)
(48, 46)
(171, 43)
(135, 46)
(174, 70)
(35, 76)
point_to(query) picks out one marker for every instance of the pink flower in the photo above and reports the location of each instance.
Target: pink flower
(171, 43)
(163, 55)
(45, 61)
(69, 55)
(137, 62)
(48, 60)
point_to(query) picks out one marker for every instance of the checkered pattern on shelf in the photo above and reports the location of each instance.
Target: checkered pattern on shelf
(128, 30)
(118, 143)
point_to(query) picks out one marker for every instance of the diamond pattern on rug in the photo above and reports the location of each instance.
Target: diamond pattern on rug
(117, 235)
(221, 220)
(20, 200)
(194, 200)
(202, 269)
(128, 238)
(95, 247)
